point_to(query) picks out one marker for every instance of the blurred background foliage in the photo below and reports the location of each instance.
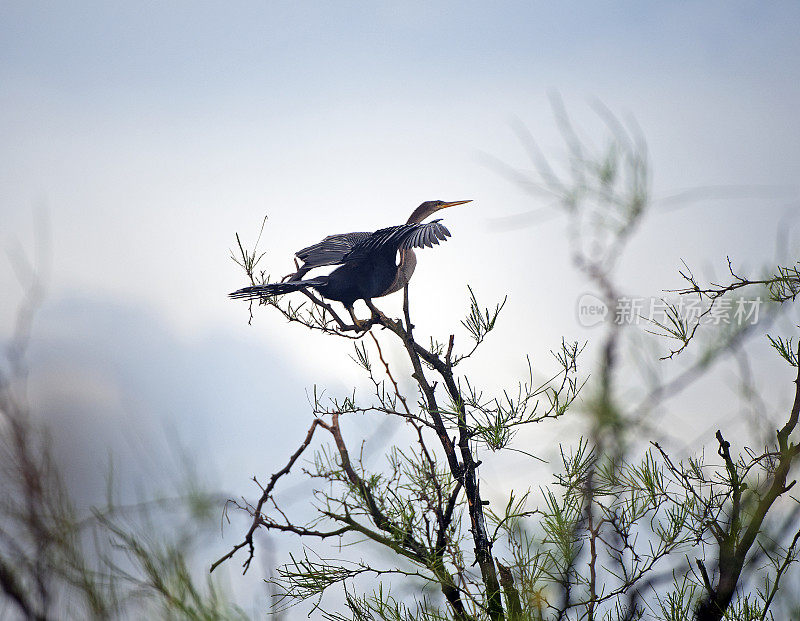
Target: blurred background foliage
(141, 136)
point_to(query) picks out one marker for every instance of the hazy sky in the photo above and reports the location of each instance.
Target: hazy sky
(150, 132)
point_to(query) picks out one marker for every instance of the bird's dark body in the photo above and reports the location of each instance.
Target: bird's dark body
(367, 262)
(360, 280)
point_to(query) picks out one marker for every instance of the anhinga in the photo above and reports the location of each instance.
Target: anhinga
(368, 267)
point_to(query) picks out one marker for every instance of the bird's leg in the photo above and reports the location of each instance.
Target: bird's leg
(409, 325)
(358, 323)
(374, 309)
(376, 312)
(294, 275)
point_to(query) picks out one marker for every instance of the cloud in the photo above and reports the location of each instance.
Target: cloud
(112, 382)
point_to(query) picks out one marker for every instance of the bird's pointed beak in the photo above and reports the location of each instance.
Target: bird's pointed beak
(454, 203)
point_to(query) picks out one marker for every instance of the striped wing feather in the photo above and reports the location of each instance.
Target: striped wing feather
(403, 236)
(331, 250)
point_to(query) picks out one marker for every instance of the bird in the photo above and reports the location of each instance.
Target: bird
(368, 266)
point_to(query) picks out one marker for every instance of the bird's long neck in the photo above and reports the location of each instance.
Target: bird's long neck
(418, 215)
(405, 269)
(408, 261)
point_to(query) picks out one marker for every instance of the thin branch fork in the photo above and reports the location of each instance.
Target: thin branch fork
(733, 549)
(377, 516)
(398, 539)
(787, 279)
(257, 517)
(402, 540)
(444, 516)
(463, 467)
(464, 472)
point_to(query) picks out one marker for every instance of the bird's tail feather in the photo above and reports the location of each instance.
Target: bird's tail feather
(277, 288)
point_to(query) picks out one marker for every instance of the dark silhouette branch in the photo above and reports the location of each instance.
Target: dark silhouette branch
(739, 534)
(257, 520)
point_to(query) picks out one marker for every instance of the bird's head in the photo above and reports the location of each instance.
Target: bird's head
(429, 207)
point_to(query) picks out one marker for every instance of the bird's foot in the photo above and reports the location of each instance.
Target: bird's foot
(378, 316)
(293, 276)
(387, 322)
(361, 325)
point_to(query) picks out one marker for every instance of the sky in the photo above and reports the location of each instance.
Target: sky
(145, 135)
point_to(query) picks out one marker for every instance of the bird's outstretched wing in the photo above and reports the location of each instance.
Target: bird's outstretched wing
(403, 236)
(331, 250)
